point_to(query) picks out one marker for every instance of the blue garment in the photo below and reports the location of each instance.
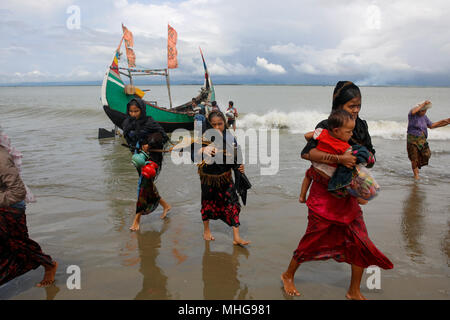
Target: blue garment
(200, 120)
(202, 109)
(200, 117)
(21, 205)
(342, 177)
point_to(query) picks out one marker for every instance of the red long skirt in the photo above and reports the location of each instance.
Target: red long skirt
(345, 240)
(344, 243)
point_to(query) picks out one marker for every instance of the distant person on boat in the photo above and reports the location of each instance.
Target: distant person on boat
(417, 146)
(143, 134)
(219, 199)
(336, 227)
(231, 114)
(18, 253)
(199, 116)
(214, 107)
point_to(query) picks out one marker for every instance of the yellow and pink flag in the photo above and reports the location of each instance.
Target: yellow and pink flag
(129, 44)
(172, 61)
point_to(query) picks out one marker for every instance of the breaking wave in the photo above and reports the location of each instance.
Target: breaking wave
(302, 122)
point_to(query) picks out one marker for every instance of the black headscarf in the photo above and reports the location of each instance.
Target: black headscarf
(143, 129)
(345, 91)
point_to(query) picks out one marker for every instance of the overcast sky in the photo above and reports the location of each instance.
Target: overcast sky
(371, 42)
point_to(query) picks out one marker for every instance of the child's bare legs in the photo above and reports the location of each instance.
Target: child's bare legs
(49, 275)
(288, 278)
(305, 186)
(237, 240)
(354, 292)
(207, 232)
(166, 207)
(136, 221)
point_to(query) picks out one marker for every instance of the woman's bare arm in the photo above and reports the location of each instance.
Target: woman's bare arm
(441, 123)
(419, 106)
(346, 159)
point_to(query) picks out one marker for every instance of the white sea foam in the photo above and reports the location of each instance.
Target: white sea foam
(296, 122)
(302, 122)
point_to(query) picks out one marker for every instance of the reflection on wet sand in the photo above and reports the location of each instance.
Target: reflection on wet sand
(220, 274)
(23, 284)
(119, 182)
(446, 244)
(51, 292)
(412, 222)
(154, 285)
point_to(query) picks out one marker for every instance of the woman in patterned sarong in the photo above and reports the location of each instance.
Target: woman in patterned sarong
(416, 142)
(219, 198)
(18, 253)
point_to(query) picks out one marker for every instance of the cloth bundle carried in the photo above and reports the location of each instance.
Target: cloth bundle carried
(356, 181)
(363, 185)
(242, 184)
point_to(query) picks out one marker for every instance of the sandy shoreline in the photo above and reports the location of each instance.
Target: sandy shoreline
(170, 260)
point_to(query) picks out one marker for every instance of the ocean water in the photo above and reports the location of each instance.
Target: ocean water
(86, 193)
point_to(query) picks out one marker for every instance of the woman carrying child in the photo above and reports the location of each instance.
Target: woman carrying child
(334, 141)
(143, 133)
(219, 198)
(336, 228)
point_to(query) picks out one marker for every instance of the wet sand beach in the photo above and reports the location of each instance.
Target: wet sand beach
(86, 192)
(170, 260)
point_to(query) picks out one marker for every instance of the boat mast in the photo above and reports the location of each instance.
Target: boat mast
(171, 55)
(168, 86)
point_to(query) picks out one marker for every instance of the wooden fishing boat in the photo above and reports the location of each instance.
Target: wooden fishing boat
(116, 94)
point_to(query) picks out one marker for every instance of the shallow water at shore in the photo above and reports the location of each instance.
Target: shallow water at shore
(86, 193)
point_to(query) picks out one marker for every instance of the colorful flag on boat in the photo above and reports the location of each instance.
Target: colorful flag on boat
(207, 78)
(128, 37)
(172, 61)
(129, 44)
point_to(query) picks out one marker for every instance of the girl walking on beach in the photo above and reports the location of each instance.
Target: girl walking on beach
(336, 227)
(219, 197)
(417, 146)
(18, 253)
(142, 133)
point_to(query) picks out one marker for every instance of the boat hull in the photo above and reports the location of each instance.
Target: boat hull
(118, 117)
(115, 100)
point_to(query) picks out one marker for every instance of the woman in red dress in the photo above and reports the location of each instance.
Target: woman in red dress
(336, 227)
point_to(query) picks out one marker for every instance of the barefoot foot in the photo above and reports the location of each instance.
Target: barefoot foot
(288, 284)
(355, 296)
(166, 209)
(135, 226)
(240, 242)
(208, 236)
(49, 275)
